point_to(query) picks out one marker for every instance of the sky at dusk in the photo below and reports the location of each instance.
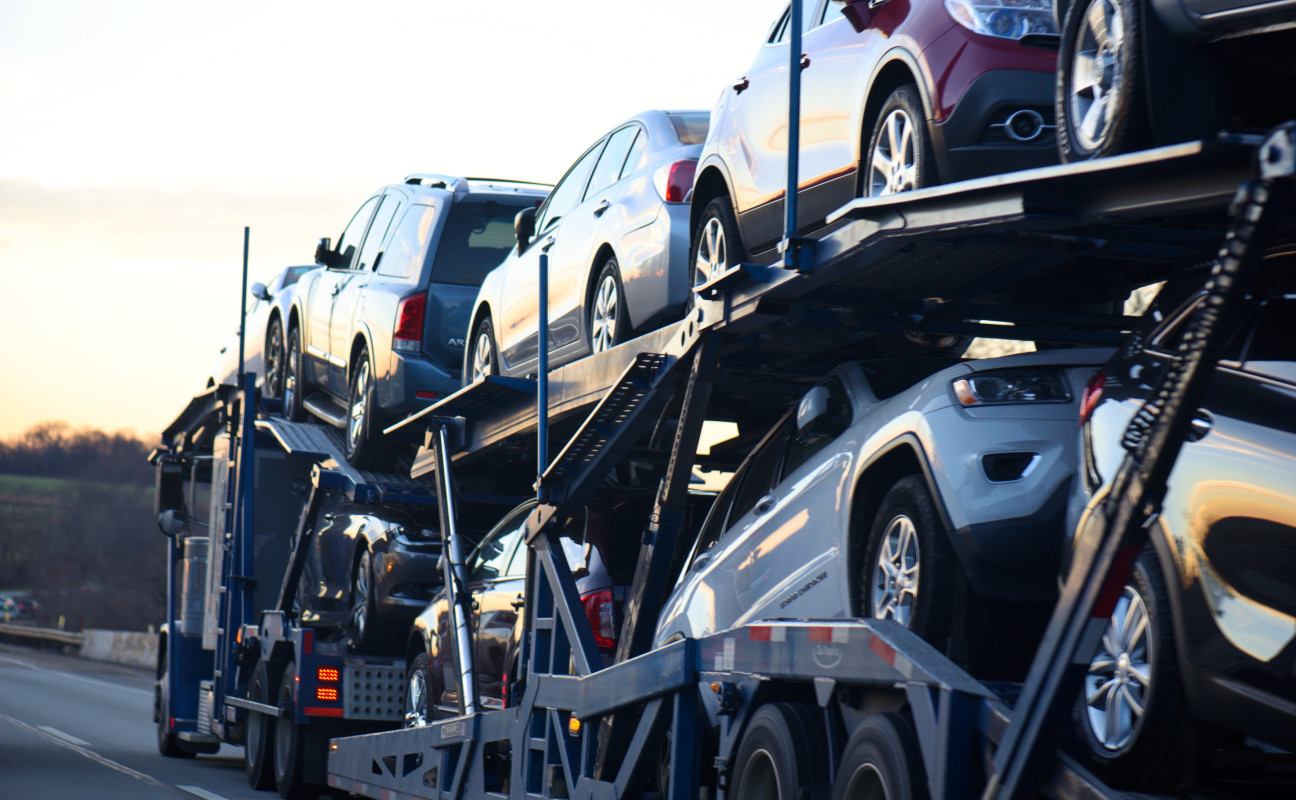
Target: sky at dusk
(138, 138)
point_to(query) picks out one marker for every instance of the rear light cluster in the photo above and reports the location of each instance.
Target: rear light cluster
(601, 613)
(327, 694)
(409, 324)
(674, 182)
(1012, 386)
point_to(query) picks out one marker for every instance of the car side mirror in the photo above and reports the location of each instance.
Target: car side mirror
(812, 410)
(325, 255)
(524, 227)
(260, 292)
(860, 12)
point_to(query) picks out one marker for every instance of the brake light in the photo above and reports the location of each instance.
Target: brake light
(409, 324)
(674, 182)
(599, 612)
(1092, 394)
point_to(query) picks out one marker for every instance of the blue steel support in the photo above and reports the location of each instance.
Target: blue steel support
(542, 377)
(794, 126)
(243, 303)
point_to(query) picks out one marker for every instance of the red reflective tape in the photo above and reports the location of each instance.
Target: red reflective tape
(308, 641)
(885, 651)
(316, 711)
(758, 634)
(821, 634)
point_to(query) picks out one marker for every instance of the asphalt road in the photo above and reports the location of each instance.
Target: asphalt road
(71, 728)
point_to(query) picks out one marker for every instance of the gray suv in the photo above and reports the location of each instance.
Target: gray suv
(378, 332)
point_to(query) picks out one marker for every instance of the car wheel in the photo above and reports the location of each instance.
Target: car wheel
(908, 568)
(882, 761)
(899, 152)
(607, 315)
(360, 429)
(483, 359)
(294, 379)
(783, 749)
(361, 634)
(1130, 716)
(717, 245)
(418, 692)
(258, 753)
(273, 384)
(168, 742)
(1099, 101)
(289, 738)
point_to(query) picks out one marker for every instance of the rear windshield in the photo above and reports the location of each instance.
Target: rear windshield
(691, 127)
(476, 238)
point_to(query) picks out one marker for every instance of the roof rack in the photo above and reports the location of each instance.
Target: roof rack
(460, 185)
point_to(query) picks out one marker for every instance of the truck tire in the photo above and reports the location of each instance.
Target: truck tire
(881, 762)
(783, 751)
(258, 752)
(168, 742)
(288, 741)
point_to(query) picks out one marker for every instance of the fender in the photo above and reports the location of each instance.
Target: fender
(911, 441)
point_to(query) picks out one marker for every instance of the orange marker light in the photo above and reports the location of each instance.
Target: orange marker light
(573, 725)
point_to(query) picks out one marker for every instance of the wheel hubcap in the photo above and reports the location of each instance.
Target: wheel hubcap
(290, 380)
(1097, 72)
(607, 309)
(712, 252)
(359, 406)
(895, 575)
(416, 713)
(1120, 675)
(481, 361)
(360, 601)
(894, 164)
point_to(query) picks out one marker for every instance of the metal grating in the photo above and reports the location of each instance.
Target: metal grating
(373, 692)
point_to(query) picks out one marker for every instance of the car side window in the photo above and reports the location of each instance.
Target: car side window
(608, 169)
(717, 519)
(569, 191)
(1271, 351)
(373, 243)
(803, 444)
(761, 470)
(780, 28)
(404, 255)
(491, 560)
(355, 229)
(636, 154)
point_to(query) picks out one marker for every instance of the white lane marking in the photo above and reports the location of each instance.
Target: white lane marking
(67, 737)
(203, 793)
(81, 678)
(90, 754)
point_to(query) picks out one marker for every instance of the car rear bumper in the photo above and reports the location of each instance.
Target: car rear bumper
(971, 142)
(412, 384)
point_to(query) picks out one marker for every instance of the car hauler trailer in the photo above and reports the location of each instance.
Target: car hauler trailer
(241, 498)
(861, 708)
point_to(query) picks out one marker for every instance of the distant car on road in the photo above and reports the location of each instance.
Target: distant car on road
(378, 333)
(616, 231)
(264, 343)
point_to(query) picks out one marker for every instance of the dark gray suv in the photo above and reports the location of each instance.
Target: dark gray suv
(378, 332)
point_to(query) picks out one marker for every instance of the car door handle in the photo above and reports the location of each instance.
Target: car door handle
(601, 207)
(766, 503)
(1200, 425)
(337, 287)
(518, 602)
(805, 61)
(741, 85)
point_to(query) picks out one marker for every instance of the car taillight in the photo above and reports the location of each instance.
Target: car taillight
(674, 182)
(1092, 394)
(599, 612)
(1011, 386)
(409, 324)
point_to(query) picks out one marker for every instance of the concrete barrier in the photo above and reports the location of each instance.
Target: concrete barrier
(120, 647)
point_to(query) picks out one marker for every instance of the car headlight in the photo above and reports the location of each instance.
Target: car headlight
(1007, 19)
(1009, 386)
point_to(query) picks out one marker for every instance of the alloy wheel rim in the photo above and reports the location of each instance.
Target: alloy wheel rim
(1097, 72)
(274, 365)
(359, 602)
(482, 363)
(1120, 675)
(359, 407)
(895, 575)
(290, 379)
(607, 311)
(416, 713)
(893, 167)
(712, 254)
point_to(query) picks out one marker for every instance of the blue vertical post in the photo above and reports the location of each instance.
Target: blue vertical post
(542, 379)
(791, 255)
(243, 302)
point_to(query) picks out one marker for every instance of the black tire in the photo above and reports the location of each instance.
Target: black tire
(899, 155)
(882, 761)
(272, 383)
(294, 378)
(362, 633)
(420, 706)
(908, 568)
(717, 243)
(1145, 753)
(258, 746)
(607, 322)
(168, 743)
(783, 751)
(483, 344)
(362, 430)
(1104, 114)
(289, 738)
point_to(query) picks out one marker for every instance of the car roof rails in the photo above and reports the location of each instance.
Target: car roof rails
(460, 185)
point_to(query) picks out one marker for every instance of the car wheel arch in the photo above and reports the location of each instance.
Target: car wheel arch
(895, 69)
(604, 253)
(712, 182)
(482, 312)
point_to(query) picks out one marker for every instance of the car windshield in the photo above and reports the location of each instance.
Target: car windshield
(476, 238)
(691, 127)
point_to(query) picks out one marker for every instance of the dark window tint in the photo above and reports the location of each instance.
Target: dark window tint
(718, 518)
(691, 128)
(803, 444)
(569, 191)
(609, 164)
(477, 236)
(1272, 348)
(491, 560)
(409, 244)
(377, 233)
(761, 470)
(350, 238)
